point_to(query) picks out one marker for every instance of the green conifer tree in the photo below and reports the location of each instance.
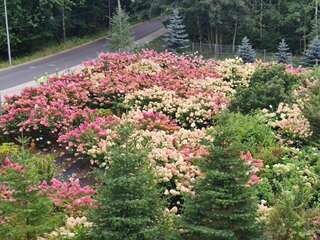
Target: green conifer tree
(177, 37)
(283, 55)
(223, 207)
(246, 52)
(121, 37)
(27, 214)
(130, 205)
(312, 54)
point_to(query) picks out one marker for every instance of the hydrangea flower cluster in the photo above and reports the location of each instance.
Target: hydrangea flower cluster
(255, 166)
(289, 120)
(69, 195)
(69, 231)
(236, 72)
(88, 134)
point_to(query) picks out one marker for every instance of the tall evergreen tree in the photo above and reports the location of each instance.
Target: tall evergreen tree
(246, 52)
(177, 37)
(312, 54)
(283, 55)
(129, 201)
(223, 207)
(121, 37)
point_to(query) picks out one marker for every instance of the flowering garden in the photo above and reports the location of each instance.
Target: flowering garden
(179, 148)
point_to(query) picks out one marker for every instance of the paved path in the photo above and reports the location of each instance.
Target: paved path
(29, 72)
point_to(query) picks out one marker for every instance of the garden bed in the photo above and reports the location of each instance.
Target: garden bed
(173, 117)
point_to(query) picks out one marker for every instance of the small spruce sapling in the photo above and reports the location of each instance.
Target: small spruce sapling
(129, 201)
(121, 37)
(223, 207)
(283, 55)
(312, 54)
(246, 52)
(25, 212)
(177, 38)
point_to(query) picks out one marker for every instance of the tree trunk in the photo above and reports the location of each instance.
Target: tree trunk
(261, 18)
(235, 35)
(64, 34)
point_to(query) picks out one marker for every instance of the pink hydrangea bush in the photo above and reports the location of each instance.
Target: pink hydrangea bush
(147, 120)
(88, 134)
(69, 195)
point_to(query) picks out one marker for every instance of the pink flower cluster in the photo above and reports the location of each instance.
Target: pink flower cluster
(148, 120)
(88, 133)
(69, 195)
(6, 194)
(255, 166)
(7, 164)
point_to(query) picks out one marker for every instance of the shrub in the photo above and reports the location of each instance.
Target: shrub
(24, 212)
(288, 219)
(224, 206)
(312, 108)
(129, 203)
(249, 130)
(269, 86)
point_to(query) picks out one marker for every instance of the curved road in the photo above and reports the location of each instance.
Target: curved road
(32, 71)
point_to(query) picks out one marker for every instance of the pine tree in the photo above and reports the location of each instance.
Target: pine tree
(177, 37)
(223, 207)
(130, 205)
(312, 54)
(283, 55)
(246, 52)
(121, 37)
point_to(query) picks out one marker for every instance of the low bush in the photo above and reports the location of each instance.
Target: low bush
(269, 86)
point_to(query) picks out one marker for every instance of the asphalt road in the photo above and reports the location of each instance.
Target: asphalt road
(32, 71)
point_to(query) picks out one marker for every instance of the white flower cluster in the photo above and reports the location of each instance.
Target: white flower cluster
(236, 72)
(68, 231)
(154, 99)
(194, 111)
(145, 66)
(289, 119)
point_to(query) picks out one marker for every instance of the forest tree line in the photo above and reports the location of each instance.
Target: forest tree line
(34, 23)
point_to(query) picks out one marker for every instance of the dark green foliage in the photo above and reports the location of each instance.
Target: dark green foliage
(30, 214)
(130, 205)
(312, 109)
(34, 24)
(312, 54)
(283, 55)
(121, 37)
(250, 131)
(223, 206)
(268, 87)
(246, 52)
(177, 37)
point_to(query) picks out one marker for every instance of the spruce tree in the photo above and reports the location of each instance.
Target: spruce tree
(283, 55)
(121, 37)
(177, 37)
(223, 207)
(129, 202)
(26, 212)
(312, 54)
(246, 52)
